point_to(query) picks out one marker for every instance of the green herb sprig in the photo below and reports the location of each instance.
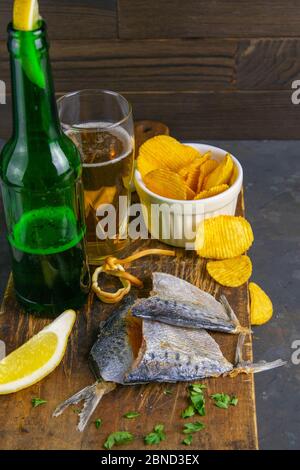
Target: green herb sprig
(156, 436)
(223, 400)
(118, 438)
(37, 402)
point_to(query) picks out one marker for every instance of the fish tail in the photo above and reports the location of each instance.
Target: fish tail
(232, 316)
(91, 396)
(247, 367)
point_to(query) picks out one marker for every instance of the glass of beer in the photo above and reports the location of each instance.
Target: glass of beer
(101, 125)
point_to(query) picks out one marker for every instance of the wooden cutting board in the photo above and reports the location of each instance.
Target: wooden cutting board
(24, 427)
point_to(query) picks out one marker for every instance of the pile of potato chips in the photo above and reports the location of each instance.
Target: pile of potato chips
(225, 239)
(177, 171)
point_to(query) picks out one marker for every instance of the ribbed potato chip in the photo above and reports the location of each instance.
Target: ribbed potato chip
(163, 151)
(234, 175)
(261, 307)
(192, 179)
(168, 184)
(232, 272)
(224, 236)
(200, 182)
(209, 166)
(206, 168)
(221, 175)
(196, 164)
(212, 191)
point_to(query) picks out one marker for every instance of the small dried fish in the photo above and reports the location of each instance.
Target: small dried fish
(177, 302)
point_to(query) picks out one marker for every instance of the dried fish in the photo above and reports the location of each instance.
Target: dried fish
(131, 351)
(173, 354)
(177, 302)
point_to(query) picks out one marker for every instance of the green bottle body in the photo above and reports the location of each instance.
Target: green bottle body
(40, 172)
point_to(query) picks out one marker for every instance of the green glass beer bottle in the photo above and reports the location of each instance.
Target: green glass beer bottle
(40, 172)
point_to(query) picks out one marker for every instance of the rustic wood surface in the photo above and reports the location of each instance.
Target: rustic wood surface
(23, 427)
(222, 70)
(204, 18)
(203, 116)
(96, 18)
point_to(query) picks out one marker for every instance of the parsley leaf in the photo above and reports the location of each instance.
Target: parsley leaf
(223, 400)
(196, 392)
(37, 402)
(167, 391)
(98, 423)
(156, 436)
(131, 415)
(234, 401)
(118, 438)
(193, 427)
(188, 440)
(188, 412)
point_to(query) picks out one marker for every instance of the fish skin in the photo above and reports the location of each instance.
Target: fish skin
(111, 355)
(173, 354)
(177, 302)
(171, 287)
(188, 315)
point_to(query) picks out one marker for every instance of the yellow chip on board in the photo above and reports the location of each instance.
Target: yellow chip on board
(168, 184)
(261, 307)
(163, 151)
(224, 236)
(221, 175)
(212, 191)
(234, 175)
(232, 272)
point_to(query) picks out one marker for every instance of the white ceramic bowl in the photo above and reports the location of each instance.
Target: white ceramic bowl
(175, 222)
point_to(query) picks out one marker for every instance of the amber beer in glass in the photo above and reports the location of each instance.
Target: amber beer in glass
(100, 123)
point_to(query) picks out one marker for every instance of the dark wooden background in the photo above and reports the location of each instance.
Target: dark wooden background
(208, 68)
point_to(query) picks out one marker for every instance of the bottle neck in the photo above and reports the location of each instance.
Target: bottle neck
(34, 105)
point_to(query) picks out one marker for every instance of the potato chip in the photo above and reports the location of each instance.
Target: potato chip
(163, 151)
(261, 307)
(209, 166)
(232, 272)
(212, 191)
(196, 164)
(234, 175)
(168, 184)
(221, 175)
(200, 182)
(206, 168)
(192, 179)
(224, 236)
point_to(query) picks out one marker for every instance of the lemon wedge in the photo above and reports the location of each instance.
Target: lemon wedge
(26, 15)
(38, 357)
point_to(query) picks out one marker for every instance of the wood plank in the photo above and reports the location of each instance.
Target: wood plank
(202, 18)
(208, 115)
(23, 427)
(221, 115)
(67, 19)
(140, 65)
(268, 64)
